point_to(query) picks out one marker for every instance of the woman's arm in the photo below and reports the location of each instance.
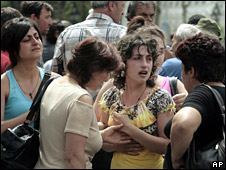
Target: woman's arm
(53, 74)
(131, 148)
(104, 88)
(184, 124)
(156, 144)
(4, 96)
(75, 151)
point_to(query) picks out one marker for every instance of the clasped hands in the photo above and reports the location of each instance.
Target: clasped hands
(121, 141)
(179, 100)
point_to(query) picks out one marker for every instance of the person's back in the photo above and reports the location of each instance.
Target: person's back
(52, 138)
(102, 23)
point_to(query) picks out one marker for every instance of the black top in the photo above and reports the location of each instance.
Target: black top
(202, 99)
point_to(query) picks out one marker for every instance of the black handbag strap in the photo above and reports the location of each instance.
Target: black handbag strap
(173, 85)
(36, 107)
(221, 104)
(31, 113)
(218, 97)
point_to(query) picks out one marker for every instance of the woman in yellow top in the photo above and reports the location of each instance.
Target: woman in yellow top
(136, 102)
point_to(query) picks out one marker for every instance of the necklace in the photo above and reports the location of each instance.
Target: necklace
(141, 95)
(134, 113)
(30, 94)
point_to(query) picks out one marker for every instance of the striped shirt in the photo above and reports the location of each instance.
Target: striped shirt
(96, 24)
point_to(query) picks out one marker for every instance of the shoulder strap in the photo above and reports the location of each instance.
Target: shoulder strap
(218, 97)
(36, 108)
(220, 102)
(45, 78)
(173, 85)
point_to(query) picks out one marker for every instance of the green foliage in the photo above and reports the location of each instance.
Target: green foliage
(73, 11)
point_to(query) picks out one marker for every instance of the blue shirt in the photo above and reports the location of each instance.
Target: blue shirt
(17, 103)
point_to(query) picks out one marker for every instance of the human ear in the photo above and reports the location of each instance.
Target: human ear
(111, 5)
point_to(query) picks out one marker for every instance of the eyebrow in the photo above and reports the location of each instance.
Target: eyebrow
(147, 14)
(28, 35)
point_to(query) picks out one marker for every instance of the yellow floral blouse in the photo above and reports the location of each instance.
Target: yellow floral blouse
(142, 115)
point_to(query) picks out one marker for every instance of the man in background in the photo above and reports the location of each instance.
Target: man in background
(141, 8)
(40, 12)
(102, 22)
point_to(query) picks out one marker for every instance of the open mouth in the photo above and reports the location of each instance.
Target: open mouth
(143, 73)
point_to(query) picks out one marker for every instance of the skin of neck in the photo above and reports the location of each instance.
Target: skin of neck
(102, 11)
(22, 69)
(135, 90)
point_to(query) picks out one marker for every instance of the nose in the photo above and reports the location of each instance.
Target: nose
(50, 21)
(171, 48)
(35, 41)
(144, 63)
(149, 19)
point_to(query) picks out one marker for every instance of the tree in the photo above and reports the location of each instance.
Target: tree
(73, 11)
(158, 12)
(185, 5)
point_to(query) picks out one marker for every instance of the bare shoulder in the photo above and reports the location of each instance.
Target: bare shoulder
(86, 99)
(53, 74)
(180, 87)
(4, 80)
(107, 85)
(4, 83)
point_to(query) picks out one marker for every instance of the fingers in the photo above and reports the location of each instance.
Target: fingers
(179, 96)
(134, 149)
(179, 100)
(132, 153)
(124, 141)
(116, 127)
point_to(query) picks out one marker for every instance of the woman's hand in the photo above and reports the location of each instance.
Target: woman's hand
(113, 135)
(179, 100)
(178, 164)
(131, 148)
(122, 119)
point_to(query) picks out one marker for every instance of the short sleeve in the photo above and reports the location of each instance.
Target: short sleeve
(103, 106)
(161, 101)
(80, 116)
(109, 98)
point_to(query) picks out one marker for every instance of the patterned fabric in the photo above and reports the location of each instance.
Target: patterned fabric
(96, 24)
(144, 116)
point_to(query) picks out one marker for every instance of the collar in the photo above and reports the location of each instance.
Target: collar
(99, 16)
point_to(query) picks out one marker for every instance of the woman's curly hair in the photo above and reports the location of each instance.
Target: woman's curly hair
(125, 47)
(89, 56)
(206, 54)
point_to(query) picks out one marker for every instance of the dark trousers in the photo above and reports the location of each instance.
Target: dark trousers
(102, 160)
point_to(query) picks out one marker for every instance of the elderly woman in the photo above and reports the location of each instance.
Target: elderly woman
(203, 61)
(69, 134)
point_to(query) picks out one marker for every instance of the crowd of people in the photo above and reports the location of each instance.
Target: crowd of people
(113, 105)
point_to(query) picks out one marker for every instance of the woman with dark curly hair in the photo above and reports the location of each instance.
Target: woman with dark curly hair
(69, 134)
(203, 61)
(138, 104)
